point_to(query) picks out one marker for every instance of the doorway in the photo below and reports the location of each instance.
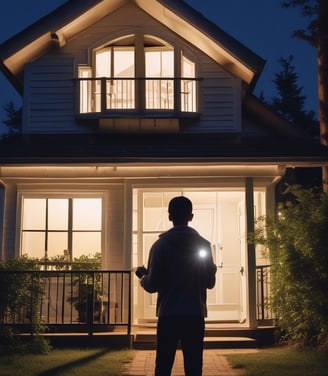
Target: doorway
(219, 216)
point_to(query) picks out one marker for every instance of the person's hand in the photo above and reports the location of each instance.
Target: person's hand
(141, 271)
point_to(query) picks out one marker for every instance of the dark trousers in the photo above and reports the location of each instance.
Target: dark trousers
(190, 331)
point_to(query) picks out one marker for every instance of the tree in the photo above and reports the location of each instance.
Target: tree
(317, 35)
(14, 118)
(289, 102)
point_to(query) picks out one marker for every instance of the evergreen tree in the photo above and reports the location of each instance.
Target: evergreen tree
(290, 101)
(316, 35)
(14, 119)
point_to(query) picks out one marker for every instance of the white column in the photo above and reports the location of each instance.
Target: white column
(251, 257)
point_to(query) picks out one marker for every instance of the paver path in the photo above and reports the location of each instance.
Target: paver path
(214, 363)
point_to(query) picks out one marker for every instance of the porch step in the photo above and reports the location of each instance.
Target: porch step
(217, 338)
(148, 342)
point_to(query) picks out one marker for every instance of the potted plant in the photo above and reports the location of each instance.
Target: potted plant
(87, 286)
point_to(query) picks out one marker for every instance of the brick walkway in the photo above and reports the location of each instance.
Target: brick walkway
(214, 363)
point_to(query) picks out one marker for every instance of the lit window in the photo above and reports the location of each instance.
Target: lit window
(137, 73)
(159, 88)
(68, 227)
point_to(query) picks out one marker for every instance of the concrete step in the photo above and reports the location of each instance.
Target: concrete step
(148, 342)
(217, 338)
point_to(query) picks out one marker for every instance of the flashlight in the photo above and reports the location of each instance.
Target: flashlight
(202, 253)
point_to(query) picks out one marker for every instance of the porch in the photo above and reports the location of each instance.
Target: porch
(94, 308)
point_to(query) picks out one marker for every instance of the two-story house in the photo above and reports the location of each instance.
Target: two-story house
(127, 103)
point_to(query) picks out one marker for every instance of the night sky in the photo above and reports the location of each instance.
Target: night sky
(261, 25)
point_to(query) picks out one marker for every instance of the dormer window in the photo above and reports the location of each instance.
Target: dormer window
(138, 74)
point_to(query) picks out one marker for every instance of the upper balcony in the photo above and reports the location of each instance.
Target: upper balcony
(137, 76)
(115, 97)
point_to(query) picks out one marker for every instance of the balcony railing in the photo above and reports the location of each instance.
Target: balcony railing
(101, 95)
(79, 300)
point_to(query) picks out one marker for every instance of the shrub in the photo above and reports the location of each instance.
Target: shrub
(20, 298)
(296, 239)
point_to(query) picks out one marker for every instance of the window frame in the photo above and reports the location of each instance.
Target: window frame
(50, 195)
(139, 43)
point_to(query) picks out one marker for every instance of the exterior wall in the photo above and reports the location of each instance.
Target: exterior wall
(50, 97)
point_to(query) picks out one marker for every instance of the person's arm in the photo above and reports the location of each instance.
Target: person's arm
(211, 271)
(151, 281)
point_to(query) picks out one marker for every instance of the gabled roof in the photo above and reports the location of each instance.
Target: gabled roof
(73, 17)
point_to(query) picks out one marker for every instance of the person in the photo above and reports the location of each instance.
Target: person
(180, 269)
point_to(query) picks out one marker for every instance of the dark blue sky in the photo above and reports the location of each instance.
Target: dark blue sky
(261, 25)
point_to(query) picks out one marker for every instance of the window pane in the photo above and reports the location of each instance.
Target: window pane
(33, 244)
(124, 62)
(159, 63)
(34, 214)
(58, 214)
(86, 214)
(86, 243)
(188, 86)
(57, 243)
(103, 62)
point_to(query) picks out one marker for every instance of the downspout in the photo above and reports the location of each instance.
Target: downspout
(251, 257)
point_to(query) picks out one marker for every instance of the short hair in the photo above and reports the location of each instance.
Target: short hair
(180, 208)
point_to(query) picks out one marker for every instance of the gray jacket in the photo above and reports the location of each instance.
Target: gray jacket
(180, 269)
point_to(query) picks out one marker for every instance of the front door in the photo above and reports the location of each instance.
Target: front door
(217, 217)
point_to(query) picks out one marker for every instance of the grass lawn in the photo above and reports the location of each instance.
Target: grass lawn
(282, 361)
(91, 362)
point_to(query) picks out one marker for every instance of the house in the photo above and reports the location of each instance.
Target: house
(127, 103)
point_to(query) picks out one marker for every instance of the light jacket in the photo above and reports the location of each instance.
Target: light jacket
(180, 269)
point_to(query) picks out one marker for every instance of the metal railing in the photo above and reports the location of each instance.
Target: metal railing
(80, 300)
(85, 300)
(100, 95)
(263, 286)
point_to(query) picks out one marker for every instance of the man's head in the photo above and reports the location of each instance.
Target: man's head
(180, 210)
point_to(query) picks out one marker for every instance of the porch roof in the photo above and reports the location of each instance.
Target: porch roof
(151, 148)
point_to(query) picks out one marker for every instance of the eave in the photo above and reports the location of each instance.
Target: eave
(73, 17)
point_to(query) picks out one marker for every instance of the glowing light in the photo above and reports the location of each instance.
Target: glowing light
(202, 253)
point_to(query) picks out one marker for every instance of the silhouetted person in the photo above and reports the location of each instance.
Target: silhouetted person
(180, 269)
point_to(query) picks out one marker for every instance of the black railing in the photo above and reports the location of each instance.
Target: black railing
(78, 300)
(263, 287)
(100, 95)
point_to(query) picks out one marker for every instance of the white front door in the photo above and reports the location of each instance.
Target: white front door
(217, 217)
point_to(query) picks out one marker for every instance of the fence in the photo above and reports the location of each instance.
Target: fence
(263, 286)
(84, 301)
(75, 300)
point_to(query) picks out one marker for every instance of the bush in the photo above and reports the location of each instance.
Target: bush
(20, 299)
(296, 239)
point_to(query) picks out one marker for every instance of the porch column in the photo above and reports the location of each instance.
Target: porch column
(2, 208)
(9, 221)
(251, 257)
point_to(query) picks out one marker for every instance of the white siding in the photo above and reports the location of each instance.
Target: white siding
(220, 99)
(49, 98)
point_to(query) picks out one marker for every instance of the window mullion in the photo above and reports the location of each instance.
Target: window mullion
(70, 229)
(46, 231)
